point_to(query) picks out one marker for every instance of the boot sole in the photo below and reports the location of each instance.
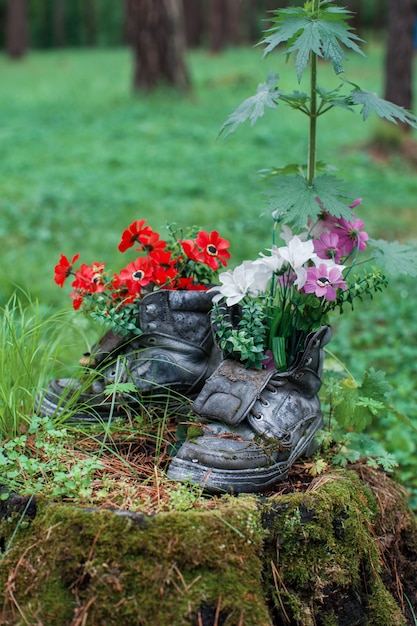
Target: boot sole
(252, 480)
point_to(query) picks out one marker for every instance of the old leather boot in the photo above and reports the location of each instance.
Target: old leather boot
(175, 353)
(264, 421)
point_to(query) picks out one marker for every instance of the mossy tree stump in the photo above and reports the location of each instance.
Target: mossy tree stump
(342, 553)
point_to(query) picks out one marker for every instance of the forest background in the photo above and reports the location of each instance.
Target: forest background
(83, 155)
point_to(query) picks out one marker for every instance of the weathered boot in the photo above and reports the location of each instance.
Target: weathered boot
(175, 353)
(264, 421)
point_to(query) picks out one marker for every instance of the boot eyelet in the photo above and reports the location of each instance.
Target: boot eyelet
(309, 360)
(259, 416)
(152, 340)
(264, 403)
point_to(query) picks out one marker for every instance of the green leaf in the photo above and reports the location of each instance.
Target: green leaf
(385, 109)
(288, 23)
(387, 461)
(296, 100)
(127, 387)
(396, 258)
(358, 405)
(305, 31)
(345, 456)
(254, 107)
(292, 168)
(374, 385)
(332, 98)
(278, 352)
(297, 200)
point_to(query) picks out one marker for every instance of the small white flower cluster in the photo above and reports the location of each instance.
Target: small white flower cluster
(251, 278)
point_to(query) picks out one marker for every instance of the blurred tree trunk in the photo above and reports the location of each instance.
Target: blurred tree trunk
(59, 36)
(224, 21)
(193, 19)
(380, 15)
(157, 35)
(252, 26)
(356, 19)
(233, 21)
(90, 20)
(399, 55)
(216, 25)
(16, 28)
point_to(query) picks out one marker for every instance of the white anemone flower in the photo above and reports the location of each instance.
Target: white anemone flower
(263, 274)
(329, 263)
(286, 234)
(298, 252)
(301, 279)
(236, 284)
(274, 262)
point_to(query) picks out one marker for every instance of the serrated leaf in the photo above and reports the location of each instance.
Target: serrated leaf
(357, 405)
(333, 98)
(374, 385)
(297, 200)
(293, 168)
(394, 257)
(345, 456)
(126, 387)
(383, 108)
(288, 22)
(350, 412)
(321, 32)
(254, 107)
(387, 461)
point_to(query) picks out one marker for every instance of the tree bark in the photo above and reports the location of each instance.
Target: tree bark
(90, 20)
(193, 20)
(157, 36)
(16, 28)
(233, 21)
(216, 25)
(59, 23)
(399, 57)
(356, 19)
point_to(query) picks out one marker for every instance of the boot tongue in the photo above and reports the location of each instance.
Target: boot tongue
(106, 347)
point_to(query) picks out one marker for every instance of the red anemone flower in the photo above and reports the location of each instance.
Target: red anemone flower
(150, 242)
(189, 284)
(133, 234)
(63, 269)
(136, 275)
(77, 299)
(191, 250)
(89, 279)
(213, 248)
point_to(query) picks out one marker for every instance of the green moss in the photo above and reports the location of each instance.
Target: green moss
(139, 570)
(193, 432)
(303, 559)
(323, 554)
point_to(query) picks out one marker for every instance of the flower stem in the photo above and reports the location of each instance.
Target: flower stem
(313, 112)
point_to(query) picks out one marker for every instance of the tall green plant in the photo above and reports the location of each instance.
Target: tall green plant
(29, 342)
(300, 192)
(308, 198)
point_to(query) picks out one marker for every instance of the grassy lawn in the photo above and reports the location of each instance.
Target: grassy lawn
(82, 158)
